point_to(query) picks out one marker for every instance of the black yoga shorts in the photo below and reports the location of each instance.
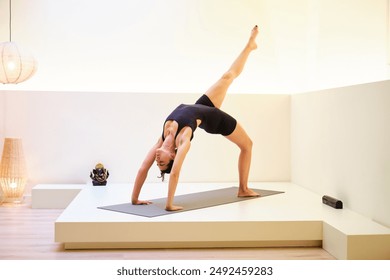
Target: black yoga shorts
(215, 120)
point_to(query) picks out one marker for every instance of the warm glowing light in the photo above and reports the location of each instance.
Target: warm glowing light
(11, 65)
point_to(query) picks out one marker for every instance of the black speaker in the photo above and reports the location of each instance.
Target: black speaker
(332, 202)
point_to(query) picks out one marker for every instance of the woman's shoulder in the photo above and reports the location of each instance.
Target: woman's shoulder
(185, 134)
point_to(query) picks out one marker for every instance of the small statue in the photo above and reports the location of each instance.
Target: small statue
(99, 175)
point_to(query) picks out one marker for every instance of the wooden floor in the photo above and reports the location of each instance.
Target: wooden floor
(28, 234)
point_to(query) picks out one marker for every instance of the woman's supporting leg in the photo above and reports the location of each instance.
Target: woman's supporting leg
(242, 140)
(217, 92)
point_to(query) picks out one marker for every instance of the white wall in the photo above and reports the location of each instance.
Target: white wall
(339, 139)
(175, 46)
(340, 146)
(66, 133)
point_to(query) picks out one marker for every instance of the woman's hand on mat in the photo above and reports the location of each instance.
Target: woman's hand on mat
(142, 202)
(173, 208)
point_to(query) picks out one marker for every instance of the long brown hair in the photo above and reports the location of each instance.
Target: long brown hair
(167, 170)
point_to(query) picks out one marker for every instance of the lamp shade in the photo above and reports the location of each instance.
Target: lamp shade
(13, 174)
(15, 65)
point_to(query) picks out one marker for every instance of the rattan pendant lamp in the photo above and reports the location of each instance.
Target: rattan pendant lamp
(15, 65)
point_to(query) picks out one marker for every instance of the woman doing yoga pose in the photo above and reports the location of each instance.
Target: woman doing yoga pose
(172, 146)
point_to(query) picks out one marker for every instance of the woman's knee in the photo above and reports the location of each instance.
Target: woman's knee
(241, 138)
(228, 76)
(247, 145)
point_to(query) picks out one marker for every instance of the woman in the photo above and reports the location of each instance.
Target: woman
(171, 148)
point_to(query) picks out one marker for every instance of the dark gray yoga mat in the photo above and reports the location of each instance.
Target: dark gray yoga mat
(188, 201)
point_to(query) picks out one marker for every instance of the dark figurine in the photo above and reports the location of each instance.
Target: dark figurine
(99, 175)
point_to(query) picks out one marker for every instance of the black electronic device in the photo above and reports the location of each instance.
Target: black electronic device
(332, 202)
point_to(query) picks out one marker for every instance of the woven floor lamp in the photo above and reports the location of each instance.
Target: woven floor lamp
(13, 175)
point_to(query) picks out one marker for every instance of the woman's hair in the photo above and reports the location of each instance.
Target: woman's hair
(167, 170)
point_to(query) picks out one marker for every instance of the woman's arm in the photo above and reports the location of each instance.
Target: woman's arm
(143, 173)
(182, 150)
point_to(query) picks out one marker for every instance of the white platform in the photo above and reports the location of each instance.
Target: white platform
(295, 218)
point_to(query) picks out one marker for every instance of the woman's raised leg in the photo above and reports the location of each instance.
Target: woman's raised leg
(217, 91)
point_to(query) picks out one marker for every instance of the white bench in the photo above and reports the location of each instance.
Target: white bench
(54, 196)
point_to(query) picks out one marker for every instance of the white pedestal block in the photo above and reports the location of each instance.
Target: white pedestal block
(54, 196)
(350, 236)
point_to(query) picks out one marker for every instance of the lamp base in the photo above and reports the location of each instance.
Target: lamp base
(13, 200)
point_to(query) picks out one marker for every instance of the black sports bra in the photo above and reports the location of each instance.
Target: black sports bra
(186, 115)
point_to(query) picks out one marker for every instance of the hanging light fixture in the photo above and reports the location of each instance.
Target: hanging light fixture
(15, 65)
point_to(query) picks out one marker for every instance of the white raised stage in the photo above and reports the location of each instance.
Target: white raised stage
(294, 218)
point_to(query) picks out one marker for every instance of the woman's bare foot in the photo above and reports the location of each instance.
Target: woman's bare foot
(252, 39)
(173, 208)
(247, 193)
